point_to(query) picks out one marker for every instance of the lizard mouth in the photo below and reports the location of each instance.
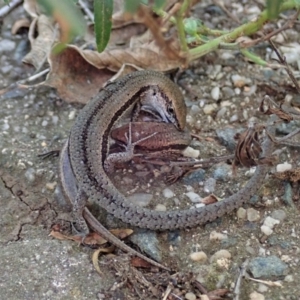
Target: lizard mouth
(156, 114)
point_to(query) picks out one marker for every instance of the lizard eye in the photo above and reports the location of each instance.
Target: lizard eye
(171, 110)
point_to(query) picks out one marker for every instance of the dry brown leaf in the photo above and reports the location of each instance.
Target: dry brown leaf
(209, 199)
(146, 57)
(94, 238)
(40, 45)
(75, 79)
(121, 233)
(59, 236)
(79, 74)
(140, 263)
(21, 23)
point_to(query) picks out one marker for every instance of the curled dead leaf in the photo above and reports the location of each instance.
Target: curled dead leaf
(21, 23)
(269, 107)
(40, 45)
(95, 257)
(75, 79)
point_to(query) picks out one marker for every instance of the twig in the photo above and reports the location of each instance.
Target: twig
(287, 25)
(167, 292)
(284, 63)
(223, 7)
(238, 283)
(202, 162)
(8, 8)
(86, 10)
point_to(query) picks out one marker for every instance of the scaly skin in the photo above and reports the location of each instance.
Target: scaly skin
(88, 149)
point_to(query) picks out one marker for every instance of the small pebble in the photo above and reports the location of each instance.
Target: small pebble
(199, 256)
(215, 93)
(241, 213)
(30, 175)
(195, 198)
(238, 81)
(252, 215)
(160, 207)
(279, 214)
(270, 222)
(51, 186)
(140, 199)
(209, 185)
(266, 230)
(7, 46)
(195, 110)
(289, 278)
(220, 254)
(283, 167)
(262, 288)
(267, 267)
(191, 152)
(190, 296)
(256, 296)
(227, 92)
(222, 172)
(168, 193)
(208, 109)
(214, 236)
(72, 115)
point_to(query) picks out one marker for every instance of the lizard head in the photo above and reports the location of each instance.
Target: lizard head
(166, 106)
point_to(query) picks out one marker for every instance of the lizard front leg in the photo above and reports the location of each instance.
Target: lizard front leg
(127, 155)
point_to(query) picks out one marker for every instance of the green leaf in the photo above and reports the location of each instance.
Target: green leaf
(103, 10)
(132, 6)
(273, 7)
(191, 26)
(6, 2)
(159, 4)
(68, 16)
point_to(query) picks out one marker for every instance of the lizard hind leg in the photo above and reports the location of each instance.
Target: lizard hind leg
(79, 224)
(125, 156)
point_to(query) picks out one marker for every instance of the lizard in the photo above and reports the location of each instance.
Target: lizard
(167, 106)
(87, 150)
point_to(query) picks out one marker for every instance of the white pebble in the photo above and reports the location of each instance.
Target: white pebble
(168, 193)
(266, 230)
(208, 109)
(72, 115)
(209, 185)
(190, 296)
(217, 236)
(190, 152)
(238, 80)
(199, 256)
(270, 222)
(220, 254)
(289, 278)
(140, 199)
(51, 186)
(241, 213)
(283, 167)
(193, 197)
(256, 296)
(262, 288)
(160, 207)
(215, 93)
(252, 215)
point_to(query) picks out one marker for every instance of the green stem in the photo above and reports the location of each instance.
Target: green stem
(243, 30)
(180, 26)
